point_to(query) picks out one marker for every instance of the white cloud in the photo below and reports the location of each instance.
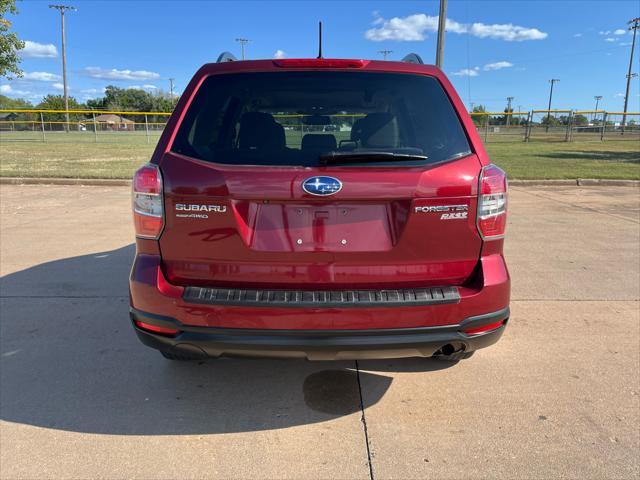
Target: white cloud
(604, 32)
(58, 86)
(41, 76)
(609, 39)
(93, 90)
(279, 54)
(414, 28)
(508, 32)
(9, 90)
(142, 87)
(497, 65)
(619, 95)
(619, 31)
(467, 72)
(114, 74)
(624, 44)
(577, 35)
(38, 50)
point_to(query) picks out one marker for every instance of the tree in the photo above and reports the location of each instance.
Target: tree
(134, 100)
(550, 120)
(502, 120)
(22, 121)
(478, 119)
(9, 42)
(56, 102)
(17, 103)
(580, 119)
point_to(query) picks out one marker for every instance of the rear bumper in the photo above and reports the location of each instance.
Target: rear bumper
(150, 292)
(205, 342)
(326, 329)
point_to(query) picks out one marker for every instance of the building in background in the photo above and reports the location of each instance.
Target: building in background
(109, 121)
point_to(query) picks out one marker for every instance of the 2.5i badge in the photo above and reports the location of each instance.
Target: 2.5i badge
(193, 210)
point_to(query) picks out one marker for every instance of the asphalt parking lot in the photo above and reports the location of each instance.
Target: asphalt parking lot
(558, 396)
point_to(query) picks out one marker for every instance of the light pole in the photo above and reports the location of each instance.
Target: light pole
(552, 81)
(385, 53)
(62, 9)
(171, 88)
(442, 23)
(242, 42)
(597, 98)
(634, 26)
(508, 119)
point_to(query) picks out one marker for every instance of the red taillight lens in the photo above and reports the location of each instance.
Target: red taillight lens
(492, 203)
(148, 215)
(319, 63)
(157, 329)
(483, 328)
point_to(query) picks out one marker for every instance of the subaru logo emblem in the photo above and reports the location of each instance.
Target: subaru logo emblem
(322, 185)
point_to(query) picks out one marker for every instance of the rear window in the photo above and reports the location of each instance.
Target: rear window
(311, 118)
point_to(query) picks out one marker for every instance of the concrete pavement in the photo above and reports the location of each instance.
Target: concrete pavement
(558, 396)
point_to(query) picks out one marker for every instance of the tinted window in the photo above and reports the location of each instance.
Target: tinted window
(297, 118)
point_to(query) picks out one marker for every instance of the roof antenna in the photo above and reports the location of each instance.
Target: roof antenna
(319, 39)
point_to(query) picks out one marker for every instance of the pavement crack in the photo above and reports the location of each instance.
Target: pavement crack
(363, 419)
(579, 207)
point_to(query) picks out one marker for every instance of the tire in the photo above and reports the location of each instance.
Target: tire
(454, 357)
(179, 357)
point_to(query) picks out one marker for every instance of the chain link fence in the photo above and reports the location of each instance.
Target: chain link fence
(101, 144)
(501, 126)
(81, 126)
(557, 125)
(146, 127)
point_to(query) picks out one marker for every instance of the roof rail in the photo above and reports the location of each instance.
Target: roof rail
(226, 57)
(413, 58)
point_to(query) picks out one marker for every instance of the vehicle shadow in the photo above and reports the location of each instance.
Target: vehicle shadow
(69, 360)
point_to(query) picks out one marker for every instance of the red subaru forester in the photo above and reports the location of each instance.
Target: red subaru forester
(319, 208)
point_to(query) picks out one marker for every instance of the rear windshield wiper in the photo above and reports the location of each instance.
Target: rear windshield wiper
(365, 157)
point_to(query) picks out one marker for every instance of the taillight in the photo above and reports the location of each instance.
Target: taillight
(148, 215)
(492, 203)
(319, 63)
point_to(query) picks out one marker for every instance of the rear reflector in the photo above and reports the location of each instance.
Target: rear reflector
(483, 328)
(156, 329)
(319, 63)
(492, 203)
(148, 215)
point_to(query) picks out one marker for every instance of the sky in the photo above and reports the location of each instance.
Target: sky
(493, 49)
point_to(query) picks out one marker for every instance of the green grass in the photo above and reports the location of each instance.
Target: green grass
(114, 156)
(619, 159)
(117, 155)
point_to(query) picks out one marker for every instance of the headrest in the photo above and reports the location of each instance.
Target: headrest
(325, 143)
(376, 130)
(259, 130)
